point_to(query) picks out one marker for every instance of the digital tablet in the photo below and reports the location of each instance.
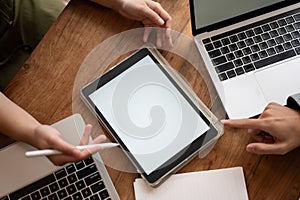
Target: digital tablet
(150, 113)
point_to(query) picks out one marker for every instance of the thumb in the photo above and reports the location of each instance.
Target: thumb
(264, 148)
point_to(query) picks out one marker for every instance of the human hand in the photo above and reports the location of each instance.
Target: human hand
(47, 137)
(151, 14)
(282, 125)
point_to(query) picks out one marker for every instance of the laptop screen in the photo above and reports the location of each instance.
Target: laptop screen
(211, 11)
(207, 15)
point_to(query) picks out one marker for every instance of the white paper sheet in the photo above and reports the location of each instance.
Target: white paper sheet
(218, 184)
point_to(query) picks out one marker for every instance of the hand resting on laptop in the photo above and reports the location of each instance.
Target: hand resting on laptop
(20, 125)
(276, 131)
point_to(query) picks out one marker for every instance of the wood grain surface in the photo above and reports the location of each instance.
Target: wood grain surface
(44, 87)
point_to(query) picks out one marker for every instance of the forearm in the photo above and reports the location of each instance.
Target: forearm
(16, 122)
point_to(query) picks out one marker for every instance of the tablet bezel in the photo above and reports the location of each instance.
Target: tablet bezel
(179, 159)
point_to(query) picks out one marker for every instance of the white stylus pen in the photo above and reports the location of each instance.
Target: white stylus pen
(49, 152)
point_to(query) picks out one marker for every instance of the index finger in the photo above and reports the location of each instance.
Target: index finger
(245, 123)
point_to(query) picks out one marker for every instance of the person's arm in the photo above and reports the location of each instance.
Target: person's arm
(276, 131)
(20, 125)
(149, 12)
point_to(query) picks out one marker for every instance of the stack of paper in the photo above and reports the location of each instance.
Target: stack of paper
(207, 185)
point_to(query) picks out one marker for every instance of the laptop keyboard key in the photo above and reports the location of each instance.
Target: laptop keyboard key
(225, 41)
(274, 59)
(72, 178)
(258, 30)
(230, 56)
(233, 38)
(254, 57)
(295, 43)
(77, 196)
(242, 36)
(241, 44)
(282, 22)
(53, 197)
(271, 51)
(287, 46)
(287, 37)
(219, 60)
(54, 187)
(238, 54)
(70, 168)
(249, 41)
(206, 41)
(233, 47)
(94, 197)
(98, 186)
(298, 50)
(239, 71)
(297, 17)
(62, 193)
(249, 67)
(274, 25)
(80, 185)
(71, 189)
(271, 42)
(92, 179)
(250, 33)
(262, 54)
(60, 173)
(257, 39)
(63, 182)
(217, 44)
(86, 171)
(279, 48)
(238, 62)
(282, 31)
(246, 59)
(225, 50)
(215, 53)
(266, 27)
(231, 74)
(223, 77)
(104, 194)
(247, 51)
(279, 40)
(45, 191)
(224, 67)
(209, 47)
(86, 192)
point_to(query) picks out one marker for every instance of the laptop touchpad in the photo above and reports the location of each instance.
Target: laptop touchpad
(280, 81)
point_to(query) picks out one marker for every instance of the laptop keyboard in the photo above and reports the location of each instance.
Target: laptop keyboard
(255, 46)
(80, 180)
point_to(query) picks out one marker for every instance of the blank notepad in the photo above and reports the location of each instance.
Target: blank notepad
(226, 183)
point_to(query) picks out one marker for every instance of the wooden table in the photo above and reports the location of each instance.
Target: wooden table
(44, 88)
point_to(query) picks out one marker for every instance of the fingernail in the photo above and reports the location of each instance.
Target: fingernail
(250, 149)
(161, 21)
(223, 121)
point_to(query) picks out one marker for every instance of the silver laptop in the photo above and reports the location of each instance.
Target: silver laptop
(37, 178)
(251, 50)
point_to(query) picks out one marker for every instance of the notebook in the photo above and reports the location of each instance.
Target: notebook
(38, 178)
(251, 50)
(227, 183)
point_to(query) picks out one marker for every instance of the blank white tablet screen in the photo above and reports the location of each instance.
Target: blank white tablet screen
(148, 113)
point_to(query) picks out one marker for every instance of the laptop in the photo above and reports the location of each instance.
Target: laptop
(251, 50)
(37, 178)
